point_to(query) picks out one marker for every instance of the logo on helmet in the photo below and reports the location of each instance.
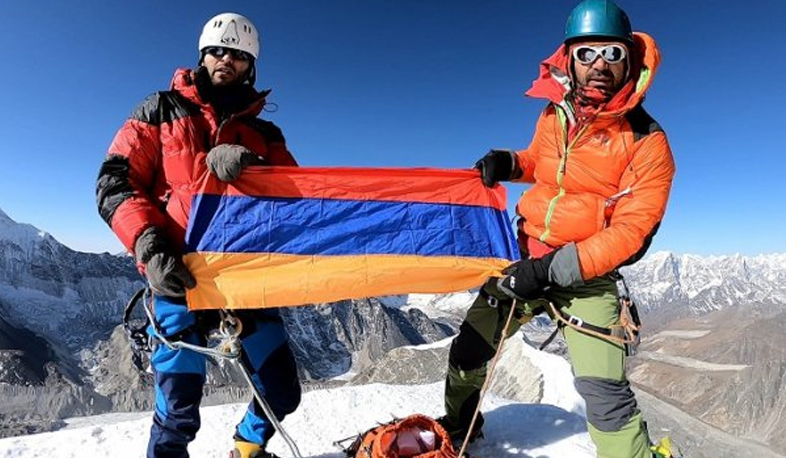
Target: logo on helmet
(230, 36)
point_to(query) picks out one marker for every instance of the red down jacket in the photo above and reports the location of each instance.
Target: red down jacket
(158, 156)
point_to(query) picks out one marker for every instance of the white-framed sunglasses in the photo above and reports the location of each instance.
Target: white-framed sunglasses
(587, 54)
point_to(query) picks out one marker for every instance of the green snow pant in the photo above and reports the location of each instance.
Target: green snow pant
(613, 418)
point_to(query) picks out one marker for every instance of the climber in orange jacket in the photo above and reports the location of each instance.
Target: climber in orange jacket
(602, 170)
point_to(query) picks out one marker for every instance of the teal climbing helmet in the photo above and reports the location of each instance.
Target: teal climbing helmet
(598, 18)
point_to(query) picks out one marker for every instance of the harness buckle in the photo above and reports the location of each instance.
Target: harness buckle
(575, 321)
(492, 301)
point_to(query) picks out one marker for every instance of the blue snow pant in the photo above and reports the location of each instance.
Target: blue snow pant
(180, 376)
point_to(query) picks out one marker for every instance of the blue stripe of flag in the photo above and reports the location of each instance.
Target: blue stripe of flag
(307, 226)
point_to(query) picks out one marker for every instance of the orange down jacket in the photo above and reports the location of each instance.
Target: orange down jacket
(606, 190)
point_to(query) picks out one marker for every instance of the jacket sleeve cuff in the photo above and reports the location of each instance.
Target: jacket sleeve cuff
(565, 269)
(515, 170)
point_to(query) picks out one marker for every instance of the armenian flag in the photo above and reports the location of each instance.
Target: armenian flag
(287, 236)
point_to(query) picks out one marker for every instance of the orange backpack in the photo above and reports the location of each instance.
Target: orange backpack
(416, 436)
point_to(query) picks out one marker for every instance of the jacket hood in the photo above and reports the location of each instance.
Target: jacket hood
(554, 82)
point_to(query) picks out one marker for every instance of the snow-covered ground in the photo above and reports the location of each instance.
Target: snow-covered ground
(552, 429)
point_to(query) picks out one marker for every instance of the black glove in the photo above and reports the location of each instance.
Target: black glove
(527, 279)
(165, 272)
(497, 165)
(227, 161)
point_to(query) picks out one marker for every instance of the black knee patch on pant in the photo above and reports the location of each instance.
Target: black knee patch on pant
(468, 410)
(610, 403)
(469, 349)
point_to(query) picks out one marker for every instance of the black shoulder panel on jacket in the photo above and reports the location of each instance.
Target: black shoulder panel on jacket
(163, 108)
(642, 123)
(113, 186)
(270, 131)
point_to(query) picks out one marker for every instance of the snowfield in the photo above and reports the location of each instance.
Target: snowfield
(553, 429)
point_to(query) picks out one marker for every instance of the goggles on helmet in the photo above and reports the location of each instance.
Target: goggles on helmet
(587, 54)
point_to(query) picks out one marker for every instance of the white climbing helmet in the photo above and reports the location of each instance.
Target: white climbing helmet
(230, 30)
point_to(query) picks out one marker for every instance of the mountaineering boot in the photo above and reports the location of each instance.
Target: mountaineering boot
(663, 449)
(249, 450)
(458, 432)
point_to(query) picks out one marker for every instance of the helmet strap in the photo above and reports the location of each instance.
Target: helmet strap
(252, 72)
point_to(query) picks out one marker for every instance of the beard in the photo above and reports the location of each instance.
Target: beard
(226, 77)
(601, 84)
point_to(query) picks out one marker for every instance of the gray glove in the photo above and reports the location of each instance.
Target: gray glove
(227, 161)
(165, 272)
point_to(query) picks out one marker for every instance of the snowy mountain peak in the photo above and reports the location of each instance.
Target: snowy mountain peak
(698, 284)
(25, 236)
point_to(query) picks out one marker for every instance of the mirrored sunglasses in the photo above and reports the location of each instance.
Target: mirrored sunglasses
(236, 54)
(612, 54)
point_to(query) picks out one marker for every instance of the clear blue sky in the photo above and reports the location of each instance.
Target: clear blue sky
(397, 83)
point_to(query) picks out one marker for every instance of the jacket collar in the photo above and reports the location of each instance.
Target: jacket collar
(186, 82)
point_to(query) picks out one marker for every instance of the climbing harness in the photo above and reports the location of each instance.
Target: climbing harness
(626, 332)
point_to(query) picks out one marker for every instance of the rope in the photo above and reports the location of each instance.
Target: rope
(226, 336)
(268, 411)
(489, 376)
(228, 347)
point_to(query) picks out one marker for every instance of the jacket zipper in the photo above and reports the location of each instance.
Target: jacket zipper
(560, 172)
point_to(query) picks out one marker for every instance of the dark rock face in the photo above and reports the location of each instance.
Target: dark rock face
(329, 339)
(23, 356)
